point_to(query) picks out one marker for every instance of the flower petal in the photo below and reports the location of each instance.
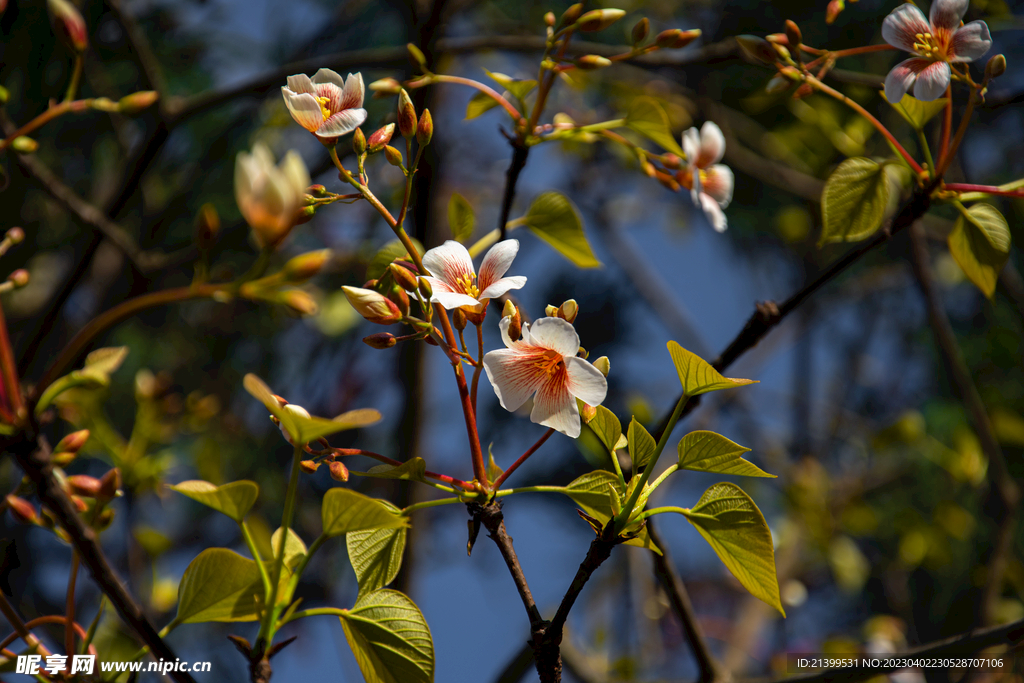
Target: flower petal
(691, 145)
(333, 94)
(513, 377)
(496, 263)
(341, 123)
(714, 213)
(901, 77)
(555, 334)
(449, 262)
(524, 339)
(294, 170)
(453, 300)
(947, 13)
(901, 27)
(555, 407)
(712, 145)
(932, 81)
(300, 83)
(970, 42)
(304, 109)
(719, 183)
(352, 97)
(499, 287)
(325, 75)
(586, 382)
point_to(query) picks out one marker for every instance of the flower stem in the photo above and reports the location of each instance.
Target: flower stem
(430, 504)
(76, 77)
(269, 626)
(385, 459)
(948, 154)
(523, 458)
(485, 89)
(319, 611)
(251, 545)
(476, 452)
(479, 366)
(864, 49)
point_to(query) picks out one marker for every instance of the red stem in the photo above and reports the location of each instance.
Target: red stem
(9, 368)
(51, 619)
(988, 189)
(385, 459)
(861, 50)
(522, 458)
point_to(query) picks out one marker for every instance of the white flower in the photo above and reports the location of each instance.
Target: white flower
(326, 106)
(269, 196)
(937, 41)
(710, 183)
(454, 281)
(544, 363)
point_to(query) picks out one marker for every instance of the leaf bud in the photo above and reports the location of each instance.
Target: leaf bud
(400, 298)
(84, 485)
(379, 138)
(599, 19)
(603, 364)
(69, 24)
(425, 128)
(137, 101)
(793, 34)
(591, 62)
(406, 115)
(80, 504)
(18, 278)
(459, 321)
(299, 301)
(570, 15)
(791, 73)
(425, 288)
(15, 235)
(995, 67)
(833, 10)
(23, 144)
(304, 266)
(549, 19)
(73, 442)
(416, 56)
(381, 340)
(675, 38)
(110, 485)
(641, 30)
(305, 215)
(757, 49)
(385, 86)
(309, 466)
(372, 305)
(207, 227)
(22, 510)
(393, 156)
(358, 141)
(403, 276)
(338, 471)
(569, 310)
(588, 413)
(551, 311)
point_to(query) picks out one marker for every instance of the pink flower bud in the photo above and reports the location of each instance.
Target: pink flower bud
(137, 101)
(372, 305)
(793, 33)
(84, 485)
(406, 115)
(403, 276)
(379, 138)
(309, 466)
(69, 24)
(22, 510)
(833, 10)
(73, 442)
(385, 87)
(599, 19)
(381, 340)
(425, 128)
(675, 38)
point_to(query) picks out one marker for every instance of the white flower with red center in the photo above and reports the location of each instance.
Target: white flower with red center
(326, 105)
(710, 183)
(937, 41)
(456, 284)
(544, 362)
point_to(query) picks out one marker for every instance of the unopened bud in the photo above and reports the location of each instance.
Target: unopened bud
(793, 34)
(137, 101)
(591, 62)
(569, 310)
(84, 485)
(400, 298)
(416, 56)
(515, 320)
(79, 503)
(588, 413)
(16, 235)
(338, 471)
(63, 459)
(459, 321)
(551, 311)
(549, 19)
(833, 10)
(18, 278)
(475, 315)
(648, 168)
(425, 128)
(805, 90)
(110, 485)
(675, 38)
(299, 301)
(309, 466)
(792, 73)
(22, 510)
(406, 115)
(371, 284)
(777, 38)
(305, 215)
(583, 353)
(69, 24)
(757, 49)
(23, 144)
(425, 288)
(385, 87)
(667, 180)
(403, 276)
(604, 365)
(358, 141)
(73, 442)
(379, 138)
(372, 305)
(640, 31)
(393, 156)
(599, 19)
(570, 15)
(995, 67)
(304, 266)
(381, 340)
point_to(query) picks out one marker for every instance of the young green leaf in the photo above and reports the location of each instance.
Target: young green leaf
(234, 499)
(518, 88)
(600, 494)
(413, 470)
(461, 218)
(917, 113)
(219, 585)
(554, 219)
(981, 246)
(696, 374)
(345, 510)
(388, 253)
(705, 451)
(376, 555)
(647, 117)
(854, 201)
(480, 103)
(95, 374)
(728, 520)
(389, 638)
(607, 427)
(641, 445)
(294, 548)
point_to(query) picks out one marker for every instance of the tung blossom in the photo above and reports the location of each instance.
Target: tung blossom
(326, 105)
(544, 363)
(937, 41)
(710, 183)
(456, 284)
(270, 196)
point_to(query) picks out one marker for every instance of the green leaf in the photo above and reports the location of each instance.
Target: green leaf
(518, 88)
(554, 219)
(494, 472)
(607, 427)
(917, 113)
(480, 103)
(705, 451)
(981, 246)
(388, 253)
(854, 201)
(219, 585)
(413, 470)
(234, 499)
(599, 494)
(641, 445)
(95, 374)
(696, 374)
(376, 555)
(728, 519)
(390, 638)
(647, 117)
(304, 429)
(345, 510)
(294, 548)
(461, 218)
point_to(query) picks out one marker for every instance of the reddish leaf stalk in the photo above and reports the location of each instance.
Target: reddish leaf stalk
(522, 458)
(385, 459)
(9, 368)
(987, 189)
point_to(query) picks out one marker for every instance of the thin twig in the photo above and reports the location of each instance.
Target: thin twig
(519, 154)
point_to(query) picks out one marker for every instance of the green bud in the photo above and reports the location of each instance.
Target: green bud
(379, 138)
(604, 365)
(425, 128)
(304, 266)
(406, 115)
(358, 141)
(591, 62)
(24, 145)
(572, 14)
(137, 101)
(995, 67)
(599, 19)
(393, 156)
(416, 56)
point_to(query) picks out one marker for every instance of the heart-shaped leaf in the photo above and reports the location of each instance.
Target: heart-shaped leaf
(389, 638)
(554, 219)
(600, 493)
(697, 375)
(607, 427)
(854, 201)
(95, 374)
(641, 445)
(647, 117)
(705, 451)
(345, 510)
(294, 547)
(376, 555)
(981, 246)
(219, 585)
(413, 470)
(234, 499)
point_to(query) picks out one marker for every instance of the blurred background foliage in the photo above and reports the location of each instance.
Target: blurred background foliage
(883, 518)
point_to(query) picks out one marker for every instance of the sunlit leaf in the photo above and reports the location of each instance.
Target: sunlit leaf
(95, 374)
(345, 510)
(388, 253)
(389, 638)
(854, 201)
(376, 555)
(461, 218)
(599, 493)
(219, 585)
(479, 103)
(697, 375)
(705, 451)
(413, 470)
(234, 499)
(641, 445)
(607, 427)
(647, 117)
(518, 88)
(294, 547)
(917, 113)
(981, 246)
(554, 219)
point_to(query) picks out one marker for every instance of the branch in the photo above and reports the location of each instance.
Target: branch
(519, 154)
(143, 51)
(492, 519)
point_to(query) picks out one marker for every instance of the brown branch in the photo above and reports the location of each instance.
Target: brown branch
(519, 154)
(142, 49)
(492, 519)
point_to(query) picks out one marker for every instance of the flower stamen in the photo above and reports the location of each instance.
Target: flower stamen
(324, 110)
(550, 362)
(467, 284)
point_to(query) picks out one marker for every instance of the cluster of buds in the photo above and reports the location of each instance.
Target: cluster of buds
(386, 300)
(279, 287)
(66, 450)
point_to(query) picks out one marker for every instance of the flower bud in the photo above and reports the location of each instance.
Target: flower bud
(406, 115)
(5, 94)
(304, 266)
(793, 34)
(110, 485)
(515, 320)
(372, 305)
(105, 519)
(299, 301)
(385, 87)
(805, 90)
(84, 485)
(670, 160)
(833, 10)
(305, 214)
(22, 510)
(588, 413)
(572, 14)
(358, 141)
(379, 138)
(995, 67)
(381, 340)
(425, 288)
(393, 156)
(207, 227)
(69, 24)
(338, 471)
(640, 31)
(459, 321)
(569, 310)
(603, 364)
(400, 298)
(591, 62)
(549, 19)
(73, 442)
(23, 144)
(19, 278)
(425, 128)
(666, 180)
(137, 101)
(475, 315)
(371, 284)
(309, 466)
(583, 353)
(15, 235)
(757, 49)
(599, 19)
(80, 504)
(675, 38)
(403, 276)
(551, 311)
